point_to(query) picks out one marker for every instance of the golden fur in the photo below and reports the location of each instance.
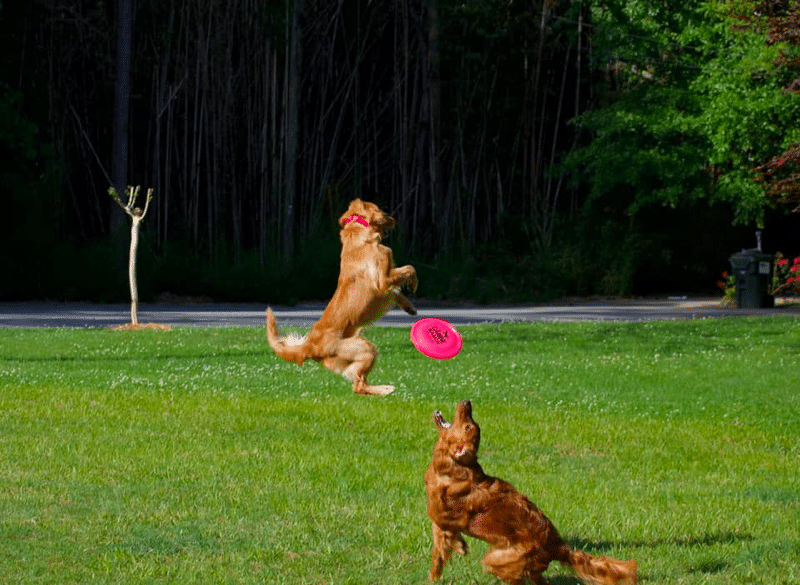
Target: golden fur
(369, 285)
(462, 499)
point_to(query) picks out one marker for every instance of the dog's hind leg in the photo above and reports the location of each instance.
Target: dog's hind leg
(511, 566)
(354, 358)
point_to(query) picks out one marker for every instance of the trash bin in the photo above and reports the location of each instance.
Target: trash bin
(753, 270)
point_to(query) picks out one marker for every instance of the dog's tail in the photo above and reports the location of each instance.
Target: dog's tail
(602, 570)
(290, 348)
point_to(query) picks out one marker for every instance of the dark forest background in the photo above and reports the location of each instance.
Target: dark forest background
(528, 149)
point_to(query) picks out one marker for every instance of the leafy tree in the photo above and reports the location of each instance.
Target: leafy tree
(691, 106)
(781, 21)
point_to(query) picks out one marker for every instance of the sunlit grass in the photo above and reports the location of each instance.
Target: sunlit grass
(196, 456)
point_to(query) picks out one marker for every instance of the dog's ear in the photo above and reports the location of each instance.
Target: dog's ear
(378, 219)
(387, 223)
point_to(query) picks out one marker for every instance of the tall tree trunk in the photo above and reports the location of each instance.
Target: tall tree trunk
(292, 129)
(122, 90)
(434, 112)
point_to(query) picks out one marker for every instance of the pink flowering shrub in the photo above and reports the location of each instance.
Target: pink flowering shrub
(727, 286)
(786, 276)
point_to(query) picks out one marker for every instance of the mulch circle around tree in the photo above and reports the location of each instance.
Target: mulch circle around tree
(141, 327)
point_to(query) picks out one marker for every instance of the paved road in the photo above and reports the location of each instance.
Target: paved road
(304, 315)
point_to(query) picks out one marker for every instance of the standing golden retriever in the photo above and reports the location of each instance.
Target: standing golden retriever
(463, 499)
(369, 285)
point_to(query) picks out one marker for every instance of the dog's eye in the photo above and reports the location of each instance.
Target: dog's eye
(467, 427)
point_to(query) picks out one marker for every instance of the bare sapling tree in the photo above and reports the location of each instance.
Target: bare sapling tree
(137, 215)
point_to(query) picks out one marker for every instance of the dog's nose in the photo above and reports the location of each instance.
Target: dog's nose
(465, 407)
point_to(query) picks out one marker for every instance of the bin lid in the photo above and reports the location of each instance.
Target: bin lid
(751, 254)
(750, 259)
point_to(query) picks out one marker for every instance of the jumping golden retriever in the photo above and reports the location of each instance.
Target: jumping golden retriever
(369, 285)
(462, 499)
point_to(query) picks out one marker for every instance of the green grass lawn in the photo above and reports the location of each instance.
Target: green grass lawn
(196, 456)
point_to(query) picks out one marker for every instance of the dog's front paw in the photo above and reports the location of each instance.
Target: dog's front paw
(413, 281)
(404, 303)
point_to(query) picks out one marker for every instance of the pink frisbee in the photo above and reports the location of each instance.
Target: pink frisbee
(436, 338)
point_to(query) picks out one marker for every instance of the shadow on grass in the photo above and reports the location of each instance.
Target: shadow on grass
(707, 567)
(595, 547)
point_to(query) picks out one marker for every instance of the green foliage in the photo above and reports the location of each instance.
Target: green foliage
(697, 105)
(17, 134)
(589, 259)
(28, 175)
(591, 255)
(785, 276)
(98, 272)
(197, 456)
(728, 288)
(595, 254)
(232, 277)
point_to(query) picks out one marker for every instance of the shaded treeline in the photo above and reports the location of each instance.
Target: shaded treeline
(256, 121)
(447, 113)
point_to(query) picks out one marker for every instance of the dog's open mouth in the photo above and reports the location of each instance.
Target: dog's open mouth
(439, 420)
